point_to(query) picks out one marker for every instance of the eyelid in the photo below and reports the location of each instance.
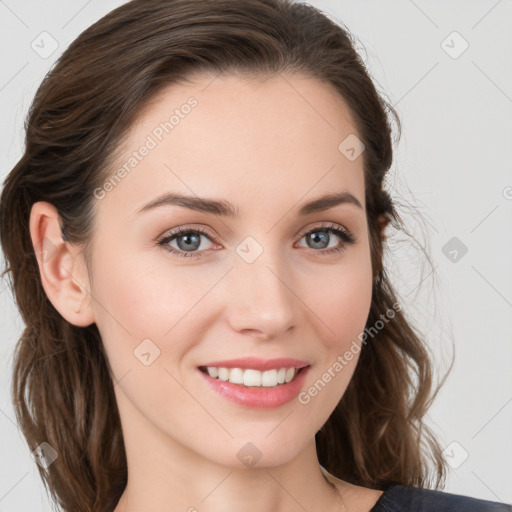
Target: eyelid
(185, 229)
(174, 233)
(325, 224)
(347, 238)
(205, 230)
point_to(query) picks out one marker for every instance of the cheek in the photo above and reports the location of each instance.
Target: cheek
(350, 305)
(136, 302)
(140, 294)
(341, 301)
(142, 323)
(140, 299)
(341, 310)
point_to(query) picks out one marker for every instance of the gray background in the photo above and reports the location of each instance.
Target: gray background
(452, 171)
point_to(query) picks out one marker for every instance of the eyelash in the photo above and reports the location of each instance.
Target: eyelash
(345, 235)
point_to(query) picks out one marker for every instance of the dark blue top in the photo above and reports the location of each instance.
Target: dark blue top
(400, 498)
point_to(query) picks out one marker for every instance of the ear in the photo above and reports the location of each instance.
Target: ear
(62, 269)
(384, 220)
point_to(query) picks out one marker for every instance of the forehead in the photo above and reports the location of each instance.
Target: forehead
(217, 136)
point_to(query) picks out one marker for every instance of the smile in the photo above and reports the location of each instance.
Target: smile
(253, 388)
(250, 377)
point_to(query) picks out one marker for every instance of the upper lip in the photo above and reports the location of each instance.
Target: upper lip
(260, 364)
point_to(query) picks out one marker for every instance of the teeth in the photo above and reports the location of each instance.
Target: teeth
(236, 375)
(212, 371)
(252, 378)
(223, 374)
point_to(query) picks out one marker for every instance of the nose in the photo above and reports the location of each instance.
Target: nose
(261, 299)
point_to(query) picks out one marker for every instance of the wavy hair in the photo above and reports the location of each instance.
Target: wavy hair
(62, 385)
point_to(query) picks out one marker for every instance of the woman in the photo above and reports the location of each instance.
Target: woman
(196, 339)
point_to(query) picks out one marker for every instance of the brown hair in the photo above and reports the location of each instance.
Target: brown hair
(62, 387)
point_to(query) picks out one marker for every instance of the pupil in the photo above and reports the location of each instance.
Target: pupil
(194, 244)
(319, 237)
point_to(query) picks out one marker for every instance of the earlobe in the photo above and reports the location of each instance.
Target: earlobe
(61, 268)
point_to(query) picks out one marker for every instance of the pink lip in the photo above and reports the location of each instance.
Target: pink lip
(260, 364)
(258, 396)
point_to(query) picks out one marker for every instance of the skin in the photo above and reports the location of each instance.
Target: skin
(267, 146)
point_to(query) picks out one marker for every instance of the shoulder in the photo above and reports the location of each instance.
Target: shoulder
(429, 500)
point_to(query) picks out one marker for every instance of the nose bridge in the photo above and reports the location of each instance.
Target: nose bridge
(262, 298)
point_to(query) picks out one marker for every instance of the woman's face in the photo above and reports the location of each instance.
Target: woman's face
(251, 284)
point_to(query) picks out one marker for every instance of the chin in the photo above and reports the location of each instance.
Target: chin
(261, 450)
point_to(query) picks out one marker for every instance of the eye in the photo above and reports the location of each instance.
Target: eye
(188, 241)
(321, 236)
(189, 244)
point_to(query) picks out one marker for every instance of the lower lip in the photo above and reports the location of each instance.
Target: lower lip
(258, 396)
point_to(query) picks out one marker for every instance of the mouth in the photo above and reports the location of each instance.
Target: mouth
(253, 378)
(265, 388)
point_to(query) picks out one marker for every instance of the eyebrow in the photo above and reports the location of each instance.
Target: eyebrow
(225, 208)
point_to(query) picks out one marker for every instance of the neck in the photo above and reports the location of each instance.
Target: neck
(165, 476)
